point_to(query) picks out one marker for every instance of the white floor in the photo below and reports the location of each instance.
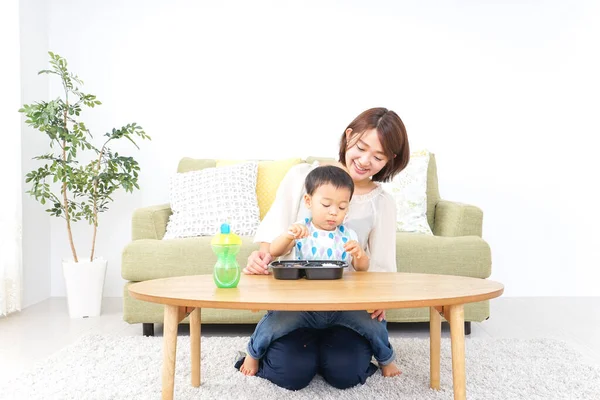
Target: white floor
(45, 328)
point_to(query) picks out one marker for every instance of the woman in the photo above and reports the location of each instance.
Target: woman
(373, 148)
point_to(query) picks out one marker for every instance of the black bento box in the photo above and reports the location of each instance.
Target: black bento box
(311, 269)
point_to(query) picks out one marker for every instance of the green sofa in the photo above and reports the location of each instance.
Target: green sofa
(456, 248)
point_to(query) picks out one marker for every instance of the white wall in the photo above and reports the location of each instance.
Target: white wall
(36, 223)
(11, 218)
(504, 94)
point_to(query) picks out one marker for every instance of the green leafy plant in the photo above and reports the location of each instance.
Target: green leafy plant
(77, 179)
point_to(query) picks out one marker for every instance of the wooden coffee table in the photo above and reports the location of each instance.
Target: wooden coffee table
(443, 294)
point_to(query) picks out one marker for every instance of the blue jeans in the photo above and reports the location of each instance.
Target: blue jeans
(340, 355)
(276, 324)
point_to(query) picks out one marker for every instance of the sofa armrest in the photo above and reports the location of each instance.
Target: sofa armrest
(150, 222)
(457, 219)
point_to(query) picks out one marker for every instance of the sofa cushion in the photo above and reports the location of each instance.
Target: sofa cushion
(202, 200)
(409, 190)
(151, 259)
(462, 255)
(187, 164)
(270, 175)
(433, 192)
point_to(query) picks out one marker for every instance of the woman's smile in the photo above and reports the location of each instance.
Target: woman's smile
(359, 169)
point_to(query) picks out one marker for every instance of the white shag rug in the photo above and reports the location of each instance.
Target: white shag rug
(114, 367)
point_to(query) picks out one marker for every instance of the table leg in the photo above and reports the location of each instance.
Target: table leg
(457, 337)
(435, 334)
(195, 334)
(169, 350)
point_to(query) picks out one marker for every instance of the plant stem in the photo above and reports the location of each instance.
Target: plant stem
(64, 190)
(95, 199)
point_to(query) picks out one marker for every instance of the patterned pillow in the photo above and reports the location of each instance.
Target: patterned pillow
(202, 200)
(270, 175)
(409, 189)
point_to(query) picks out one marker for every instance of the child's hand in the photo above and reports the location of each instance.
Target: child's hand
(298, 231)
(353, 248)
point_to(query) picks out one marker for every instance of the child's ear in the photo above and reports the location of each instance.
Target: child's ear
(307, 200)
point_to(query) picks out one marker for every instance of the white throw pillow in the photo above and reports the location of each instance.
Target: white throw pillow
(409, 189)
(202, 200)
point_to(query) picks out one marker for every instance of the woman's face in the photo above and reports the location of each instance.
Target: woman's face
(364, 155)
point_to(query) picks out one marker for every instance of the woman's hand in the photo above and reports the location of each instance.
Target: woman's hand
(298, 231)
(379, 314)
(258, 263)
(353, 248)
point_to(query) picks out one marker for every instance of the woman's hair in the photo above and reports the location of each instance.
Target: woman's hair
(328, 174)
(392, 135)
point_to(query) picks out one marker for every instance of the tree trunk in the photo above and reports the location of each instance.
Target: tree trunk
(65, 198)
(95, 197)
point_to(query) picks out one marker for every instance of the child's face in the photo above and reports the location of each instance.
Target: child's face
(364, 156)
(328, 206)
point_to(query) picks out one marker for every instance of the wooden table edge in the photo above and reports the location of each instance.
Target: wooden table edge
(372, 305)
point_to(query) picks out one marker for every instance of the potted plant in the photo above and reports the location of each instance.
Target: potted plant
(77, 179)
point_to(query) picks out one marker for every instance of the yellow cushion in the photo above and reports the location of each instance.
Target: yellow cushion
(270, 175)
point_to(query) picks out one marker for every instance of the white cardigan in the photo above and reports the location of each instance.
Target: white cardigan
(372, 216)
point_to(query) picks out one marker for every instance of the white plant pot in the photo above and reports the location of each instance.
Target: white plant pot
(84, 281)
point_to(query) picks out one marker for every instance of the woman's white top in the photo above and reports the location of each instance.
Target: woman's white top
(372, 216)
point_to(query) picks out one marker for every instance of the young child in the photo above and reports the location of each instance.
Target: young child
(329, 190)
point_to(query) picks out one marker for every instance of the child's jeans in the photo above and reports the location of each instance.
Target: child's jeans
(276, 324)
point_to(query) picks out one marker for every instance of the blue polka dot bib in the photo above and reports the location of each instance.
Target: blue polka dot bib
(324, 245)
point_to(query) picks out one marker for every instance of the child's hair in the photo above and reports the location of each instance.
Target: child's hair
(392, 135)
(328, 174)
